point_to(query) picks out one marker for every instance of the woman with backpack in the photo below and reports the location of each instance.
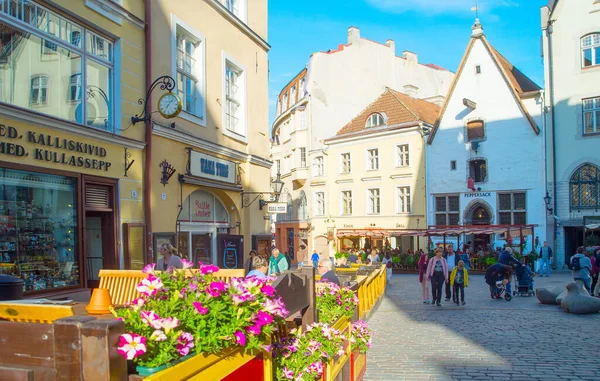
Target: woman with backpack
(387, 261)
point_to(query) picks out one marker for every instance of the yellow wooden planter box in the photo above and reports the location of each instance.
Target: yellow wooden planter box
(334, 367)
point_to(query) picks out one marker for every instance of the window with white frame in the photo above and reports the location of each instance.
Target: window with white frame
(375, 120)
(512, 208)
(590, 50)
(278, 166)
(65, 48)
(301, 88)
(318, 166)
(302, 157)
(447, 210)
(403, 199)
(237, 7)
(293, 95)
(190, 70)
(346, 163)
(319, 203)
(373, 159)
(302, 120)
(39, 90)
(346, 203)
(591, 115)
(402, 155)
(235, 99)
(373, 201)
(285, 102)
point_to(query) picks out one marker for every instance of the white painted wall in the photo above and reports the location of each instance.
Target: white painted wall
(514, 153)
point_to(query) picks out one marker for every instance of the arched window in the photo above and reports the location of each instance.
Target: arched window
(590, 50)
(290, 208)
(584, 185)
(375, 120)
(203, 207)
(302, 207)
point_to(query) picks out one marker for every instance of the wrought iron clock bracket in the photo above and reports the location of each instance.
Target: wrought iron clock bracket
(166, 82)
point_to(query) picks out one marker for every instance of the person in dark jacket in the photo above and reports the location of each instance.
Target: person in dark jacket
(327, 275)
(249, 265)
(498, 272)
(506, 258)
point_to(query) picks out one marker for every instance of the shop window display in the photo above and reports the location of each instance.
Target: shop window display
(38, 222)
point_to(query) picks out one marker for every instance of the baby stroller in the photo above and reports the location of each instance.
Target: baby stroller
(524, 281)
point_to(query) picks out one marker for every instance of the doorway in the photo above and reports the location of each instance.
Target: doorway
(573, 239)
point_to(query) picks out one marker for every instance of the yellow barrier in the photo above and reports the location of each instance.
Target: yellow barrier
(335, 366)
(370, 290)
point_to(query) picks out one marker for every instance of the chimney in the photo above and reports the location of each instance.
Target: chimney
(391, 44)
(410, 56)
(353, 34)
(411, 90)
(477, 29)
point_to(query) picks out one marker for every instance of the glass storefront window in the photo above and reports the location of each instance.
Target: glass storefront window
(38, 225)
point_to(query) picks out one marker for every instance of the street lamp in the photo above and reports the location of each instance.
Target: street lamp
(277, 186)
(547, 201)
(277, 189)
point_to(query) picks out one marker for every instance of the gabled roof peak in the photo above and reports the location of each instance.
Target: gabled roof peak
(477, 29)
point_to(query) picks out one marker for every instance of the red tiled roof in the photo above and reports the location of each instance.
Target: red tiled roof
(399, 108)
(520, 81)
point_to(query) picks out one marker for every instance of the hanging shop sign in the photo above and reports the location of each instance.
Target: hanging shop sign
(52, 149)
(277, 207)
(211, 167)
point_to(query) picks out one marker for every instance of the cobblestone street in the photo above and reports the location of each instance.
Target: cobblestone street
(484, 340)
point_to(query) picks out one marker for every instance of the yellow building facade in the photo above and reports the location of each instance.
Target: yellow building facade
(71, 74)
(217, 147)
(369, 183)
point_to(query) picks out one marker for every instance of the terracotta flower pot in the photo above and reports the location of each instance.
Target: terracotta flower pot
(99, 302)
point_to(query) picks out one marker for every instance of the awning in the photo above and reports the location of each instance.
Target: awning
(592, 227)
(513, 230)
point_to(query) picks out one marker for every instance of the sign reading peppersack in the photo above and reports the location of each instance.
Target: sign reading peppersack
(82, 155)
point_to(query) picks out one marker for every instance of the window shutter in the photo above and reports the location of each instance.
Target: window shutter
(97, 197)
(475, 130)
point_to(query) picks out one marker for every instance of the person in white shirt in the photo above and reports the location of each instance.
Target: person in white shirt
(452, 260)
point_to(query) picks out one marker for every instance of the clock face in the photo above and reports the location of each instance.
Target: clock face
(169, 105)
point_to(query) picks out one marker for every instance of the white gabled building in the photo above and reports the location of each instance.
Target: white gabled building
(489, 129)
(571, 48)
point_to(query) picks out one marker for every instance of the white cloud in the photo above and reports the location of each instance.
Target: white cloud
(440, 6)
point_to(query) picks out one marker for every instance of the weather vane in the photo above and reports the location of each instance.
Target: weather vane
(476, 9)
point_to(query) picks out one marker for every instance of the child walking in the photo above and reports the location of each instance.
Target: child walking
(459, 279)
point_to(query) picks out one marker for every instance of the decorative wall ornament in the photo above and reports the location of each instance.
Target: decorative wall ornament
(167, 171)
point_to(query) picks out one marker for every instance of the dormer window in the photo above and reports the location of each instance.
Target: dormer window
(590, 50)
(475, 131)
(375, 120)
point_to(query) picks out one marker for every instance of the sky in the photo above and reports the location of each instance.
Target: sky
(437, 30)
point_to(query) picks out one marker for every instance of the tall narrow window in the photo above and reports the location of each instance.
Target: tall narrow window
(346, 163)
(302, 207)
(590, 50)
(189, 70)
(301, 88)
(403, 157)
(585, 187)
(446, 210)
(591, 115)
(278, 165)
(302, 157)
(346, 202)
(39, 90)
(374, 120)
(403, 199)
(512, 208)
(373, 159)
(285, 101)
(475, 131)
(374, 201)
(293, 95)
(75, 87)
(318, 166)
(320, 203)
(478, 170)
(302, 116)
(234, 99)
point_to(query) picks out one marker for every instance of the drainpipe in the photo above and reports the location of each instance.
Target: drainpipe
(148, 156)
(553, 116)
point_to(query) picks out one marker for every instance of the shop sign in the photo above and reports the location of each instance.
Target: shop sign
(277, 207)
(81, 155)
(348, 226)
(400, 226)
(477, 195)
(211, 167)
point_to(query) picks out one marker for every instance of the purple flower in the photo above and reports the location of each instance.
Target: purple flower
(313, 345)
(263, 318)
(254, 330)
(182, 293)
(216, 288)
(288, 374)
(240, 338)
(152, 319)
(243, 298)
(208, 269)
(268, 290)
(149, 269)
(192, 287)
(201, 310)
(185, 342)
(186, 264)
(316, 367)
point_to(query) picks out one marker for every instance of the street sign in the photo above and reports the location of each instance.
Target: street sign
(277, 207)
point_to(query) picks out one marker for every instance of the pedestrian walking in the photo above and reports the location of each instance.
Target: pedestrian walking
(437, 272)
(277, 263)
(545, 259)
(249, 266)
(595, 271)
(314, 258)
(582, 268)
(451, 260)
(459, 279)
(387, 261)
(302, 256)
(422, 265)
(466, 258)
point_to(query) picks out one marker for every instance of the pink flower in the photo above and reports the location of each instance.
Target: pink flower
(192, 287)
(240, 338)
(316, 367)
(263, 318)
(254, 330)
(152, 319)
(208, 269)
(216, 288)
(275, 307)
(131, 345)
(268, 290)
(201, 310)
(186, 264)
(242, 298)
(149, 268)
(288, 374)
(182, 293)
(150, 286)
(170, 323)
(137, 304)
(313, 345)
(158, 335)
(185, 342)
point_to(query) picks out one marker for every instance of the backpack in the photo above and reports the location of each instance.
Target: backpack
(289, 260)
(575, 263)
(389, 263)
